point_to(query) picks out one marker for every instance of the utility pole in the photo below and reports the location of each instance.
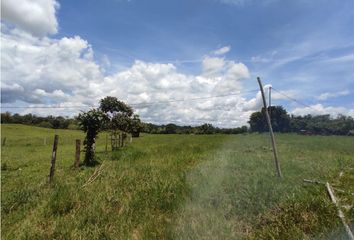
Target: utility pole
(277, 165)
(270, 100)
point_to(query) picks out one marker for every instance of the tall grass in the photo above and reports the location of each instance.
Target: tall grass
(174, 187)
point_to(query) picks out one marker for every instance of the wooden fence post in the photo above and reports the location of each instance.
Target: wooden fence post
(54, 158)
(277, 165)
(77, 153)
(3, 141)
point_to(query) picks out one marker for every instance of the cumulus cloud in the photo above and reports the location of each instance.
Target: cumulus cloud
(222, 50)
(319, 109)
(34, 16)
(212, 66)
(50, 72)
(327, 95)
(32, 66)
(256, 103)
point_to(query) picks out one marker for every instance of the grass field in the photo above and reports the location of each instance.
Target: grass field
(175, 187)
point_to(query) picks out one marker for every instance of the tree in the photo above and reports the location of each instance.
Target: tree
(91, 123)
(206, 128)
(257, 122)
(136, 126)
(118, 113)
(6, 117)
(170, 128)
(279, 118)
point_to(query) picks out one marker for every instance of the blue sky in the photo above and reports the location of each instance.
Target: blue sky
(304, 48)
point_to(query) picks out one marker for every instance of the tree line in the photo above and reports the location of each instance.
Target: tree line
(308, 124)
(281, 120)
(56, 122)
(205, 128)
(135, 127)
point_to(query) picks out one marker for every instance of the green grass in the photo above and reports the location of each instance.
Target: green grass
(175, 187)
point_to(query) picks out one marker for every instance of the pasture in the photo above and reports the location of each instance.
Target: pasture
(175, 187)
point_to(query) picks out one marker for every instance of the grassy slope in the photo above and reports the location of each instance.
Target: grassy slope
(174, 186)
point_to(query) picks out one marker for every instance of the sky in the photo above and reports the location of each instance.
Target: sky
(208, 53)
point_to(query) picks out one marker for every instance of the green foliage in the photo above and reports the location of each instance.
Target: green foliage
(202, 129)
(91, 123)
(113, 105)
(278, 116)
(206, 129)
(118, 113)
(323, 124)
(170, 128)
(136, 126)
(31, 119)
(282, 122)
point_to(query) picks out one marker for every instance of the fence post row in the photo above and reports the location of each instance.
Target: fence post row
(54, 157)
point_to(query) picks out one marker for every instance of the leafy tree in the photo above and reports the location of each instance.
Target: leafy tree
(6, 117)
(136, 126)
(257, 122)
(279, 118)
(206, 128)
(118, 113)
(91, 123)
(170, 128)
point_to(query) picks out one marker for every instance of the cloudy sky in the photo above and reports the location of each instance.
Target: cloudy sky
(150, 53)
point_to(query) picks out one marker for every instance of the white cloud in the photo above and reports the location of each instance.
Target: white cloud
(319, 109)
(34, 16)
(222, 50)
(47, 65)
(45, 71)
(327, 95)
(256, 103)
(212, 65)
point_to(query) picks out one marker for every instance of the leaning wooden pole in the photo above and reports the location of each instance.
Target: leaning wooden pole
(277, 165)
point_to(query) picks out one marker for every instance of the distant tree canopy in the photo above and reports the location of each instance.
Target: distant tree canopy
(279, 118)
(202, 129)
(283, 122)
(31, 119)
(120, 116)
